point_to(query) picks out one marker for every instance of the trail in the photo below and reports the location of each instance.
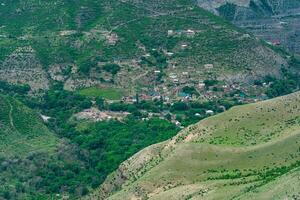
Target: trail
(11, 120)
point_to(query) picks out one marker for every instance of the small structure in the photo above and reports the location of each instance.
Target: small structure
(190, 33)
(184, 46)
(177, 123)
(170, 54)
(208, 66)
(147, 55)
(145, 97)
(170, 32)
(201, 85)
(45, 118)
(175, 80)
(209, 112)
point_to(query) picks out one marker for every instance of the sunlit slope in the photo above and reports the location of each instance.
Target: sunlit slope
(244, 153)
(22, 130)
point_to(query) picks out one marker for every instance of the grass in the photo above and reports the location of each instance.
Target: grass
(243, 153)
(107, 93)
(22, 131)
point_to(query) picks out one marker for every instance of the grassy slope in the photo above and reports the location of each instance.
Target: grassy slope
(246, 152)
(22, 135)
(22, 131)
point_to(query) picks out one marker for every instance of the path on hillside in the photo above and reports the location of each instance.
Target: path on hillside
(11, 119)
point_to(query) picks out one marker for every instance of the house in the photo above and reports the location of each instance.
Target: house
(190, 33)
(145, 97)
(183, 46)
(209, 112)
(198, 115)
(175, 80)
(173, 76)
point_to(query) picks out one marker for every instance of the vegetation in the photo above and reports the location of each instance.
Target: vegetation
(47, 153)
(107, 93)
(228, 10)
(288, 84)
(241, 153)
(75, 160)
(112, 68)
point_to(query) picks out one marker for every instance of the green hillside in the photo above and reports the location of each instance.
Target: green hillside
(120, 43)
(22, 131)
(34, 162)
(248, 152)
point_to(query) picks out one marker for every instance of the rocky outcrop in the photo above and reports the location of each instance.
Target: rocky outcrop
(275, 21)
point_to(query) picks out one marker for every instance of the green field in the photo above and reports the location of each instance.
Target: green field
(107, 93)
(244, 153)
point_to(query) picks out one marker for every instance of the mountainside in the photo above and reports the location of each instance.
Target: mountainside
(86, 84)
(129, 44)
(248, 152)
(34, 162)
(276, 21)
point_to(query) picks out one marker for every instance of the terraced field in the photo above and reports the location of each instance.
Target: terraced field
(248, 152)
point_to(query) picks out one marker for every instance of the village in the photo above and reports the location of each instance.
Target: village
(178, 101)
(180, 94)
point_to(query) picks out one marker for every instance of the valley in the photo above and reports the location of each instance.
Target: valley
(149, 99)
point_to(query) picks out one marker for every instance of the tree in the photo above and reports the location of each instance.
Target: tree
(100, 102)
(112, 68)
(180, 106)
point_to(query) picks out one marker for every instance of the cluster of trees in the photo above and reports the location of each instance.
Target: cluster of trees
(190, 90)
(65, 171)
(278, 87)
(111, 142)
(102, 146)
(112, 68)
(19, 89)
(92, 63)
